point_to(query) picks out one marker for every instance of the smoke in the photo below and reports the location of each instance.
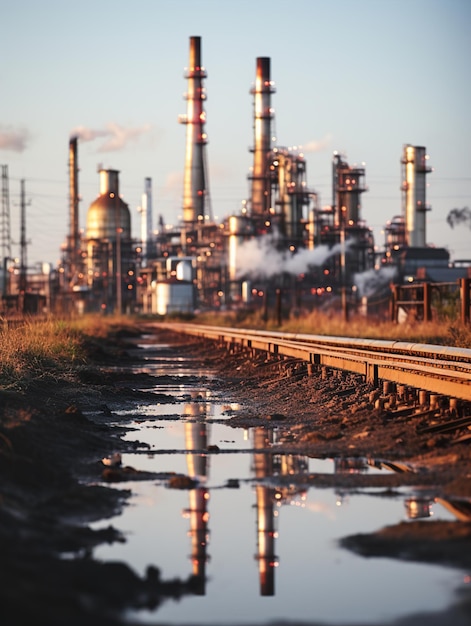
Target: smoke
(87, 134)
(318, 145)
(15, 140)
(373, 281)
(456, 217)
(116, 137)
(259, 258)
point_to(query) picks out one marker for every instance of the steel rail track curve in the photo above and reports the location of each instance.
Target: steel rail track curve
(443, 370)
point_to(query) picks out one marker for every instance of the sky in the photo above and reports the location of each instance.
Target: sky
(361, 77)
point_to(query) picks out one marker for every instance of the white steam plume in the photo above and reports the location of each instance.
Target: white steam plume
(14, 140)
(317, 145)
(373, 281)
(117, 137)
(259, 258)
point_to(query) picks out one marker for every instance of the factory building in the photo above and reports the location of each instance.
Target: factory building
(406, 247)
(200, 264)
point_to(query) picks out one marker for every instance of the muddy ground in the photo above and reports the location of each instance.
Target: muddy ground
(53, 483)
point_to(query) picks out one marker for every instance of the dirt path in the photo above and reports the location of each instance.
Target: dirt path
(50, 456)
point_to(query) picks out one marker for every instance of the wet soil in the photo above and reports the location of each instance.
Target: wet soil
(53, 482)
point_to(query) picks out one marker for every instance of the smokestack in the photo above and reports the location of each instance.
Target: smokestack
(73, 205)
(415, 169)
(194, 183)
(262, 137)
(146, 219)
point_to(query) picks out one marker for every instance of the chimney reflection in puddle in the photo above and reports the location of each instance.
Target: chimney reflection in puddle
(266, 464)
(196, 439)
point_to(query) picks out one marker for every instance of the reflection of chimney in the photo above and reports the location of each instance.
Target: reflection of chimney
(262, 91)
(199, 517)
(265, 516)
(196, 438)
(194, 183)
(73, 205)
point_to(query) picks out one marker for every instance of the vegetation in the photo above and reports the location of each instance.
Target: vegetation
(33, 349)
(448, 332)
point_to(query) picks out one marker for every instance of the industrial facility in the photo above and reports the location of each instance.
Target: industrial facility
(316, 256)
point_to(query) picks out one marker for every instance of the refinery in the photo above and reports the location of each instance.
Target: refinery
(282, 249)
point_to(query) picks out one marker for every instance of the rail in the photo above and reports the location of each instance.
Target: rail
(444, 370)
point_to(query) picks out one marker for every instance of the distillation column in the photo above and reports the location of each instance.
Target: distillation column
(293, 195)
(348, 185)
(194, 183)
(260, 177)
(415, 169)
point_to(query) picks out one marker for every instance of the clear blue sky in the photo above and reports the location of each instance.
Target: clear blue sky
(363, 77)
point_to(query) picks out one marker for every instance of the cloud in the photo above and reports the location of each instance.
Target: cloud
(318, 145)
(15, 140)
(116, 137)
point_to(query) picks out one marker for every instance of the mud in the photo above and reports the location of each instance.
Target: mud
(50, 464)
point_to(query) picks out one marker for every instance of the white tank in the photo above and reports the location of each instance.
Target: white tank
(172, 297)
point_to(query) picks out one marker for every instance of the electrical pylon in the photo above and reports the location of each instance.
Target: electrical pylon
(5, 231)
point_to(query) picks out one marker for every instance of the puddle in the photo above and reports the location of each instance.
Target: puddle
(265, 549)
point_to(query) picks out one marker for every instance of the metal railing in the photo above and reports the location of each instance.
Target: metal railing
(444, 370)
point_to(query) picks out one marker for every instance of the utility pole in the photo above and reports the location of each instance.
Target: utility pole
(23, 244)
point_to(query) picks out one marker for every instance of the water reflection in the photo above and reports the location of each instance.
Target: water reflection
(196, 439)
(263, 465)
(295, 525)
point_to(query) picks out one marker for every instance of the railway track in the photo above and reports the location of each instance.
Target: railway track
(441, 370)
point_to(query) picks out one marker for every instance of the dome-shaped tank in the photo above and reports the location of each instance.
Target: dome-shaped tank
(108, 212)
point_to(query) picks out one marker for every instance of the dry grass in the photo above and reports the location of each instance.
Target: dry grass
(449, 333)
(36, 348)
(53, 348)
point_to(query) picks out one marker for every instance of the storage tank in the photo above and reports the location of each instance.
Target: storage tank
(172, 296)
(108, 213)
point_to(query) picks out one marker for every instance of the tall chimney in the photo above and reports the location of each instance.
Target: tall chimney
(415, 169)
(194, 185)
(146, 220)
(74, 240)
(262, 137)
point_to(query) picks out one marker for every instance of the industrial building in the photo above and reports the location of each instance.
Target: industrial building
(201, 264)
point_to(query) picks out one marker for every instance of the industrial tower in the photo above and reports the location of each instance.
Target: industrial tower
(5, 231)
(196, 205)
